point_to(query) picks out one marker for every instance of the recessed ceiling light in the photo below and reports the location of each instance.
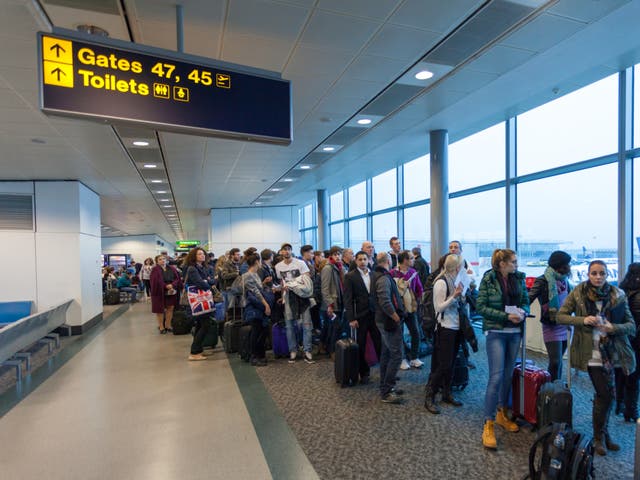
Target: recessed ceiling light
(257, 203)
(150, 165)
(141, 143)
(161, 191)
(305, 167)
(424, 75)
(156, 181)
(167, 206)
(364, 121)
(287, 179)
(165, 200)
(328, 149)
(275, 189)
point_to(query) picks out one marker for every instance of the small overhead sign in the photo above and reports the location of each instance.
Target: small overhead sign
(186, 245)
(117, 81)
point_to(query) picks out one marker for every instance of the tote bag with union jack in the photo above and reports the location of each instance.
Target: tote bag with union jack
(200, 301)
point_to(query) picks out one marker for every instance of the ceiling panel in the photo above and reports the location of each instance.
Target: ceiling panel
(376, 68)
(338, 32)
(430, 15)
(375, 9)
(404, 43)
(256, 18)
(543, 33)
(586, 11)
(500, 59)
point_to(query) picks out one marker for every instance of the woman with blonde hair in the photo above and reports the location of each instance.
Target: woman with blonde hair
(446, 302)
(503, 303)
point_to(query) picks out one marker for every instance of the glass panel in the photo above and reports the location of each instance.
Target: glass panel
(357, 233)
(480, 230)
(300, 222)
(337, 234)
(308, 216)
(478, 159)
(337, 206)
(385, 226)
(416, 229)
(417, 179)
(578, 126)
(636, 208)
(636, 106)
(384, 190)
(585, 228)
(358, 199)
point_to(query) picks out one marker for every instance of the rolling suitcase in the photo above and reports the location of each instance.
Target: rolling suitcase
(112, 296)
(555, 401)
(232, 336)
(279, 341)
(347, 358)
(245, 342)
(460, 378)
(526, 385)
(181, 323)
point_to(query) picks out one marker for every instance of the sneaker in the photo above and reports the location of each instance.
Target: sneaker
(197, 357)
(489, 436)
(404, 365)
(417, 363)
(392, 397)
(308, 358)
(292, 357)
(505, 422)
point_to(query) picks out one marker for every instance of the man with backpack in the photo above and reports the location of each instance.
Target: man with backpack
(410, 289)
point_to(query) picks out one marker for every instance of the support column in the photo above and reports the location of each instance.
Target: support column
(511, 217)
(323, 219)
(625, 173)
(439, 148)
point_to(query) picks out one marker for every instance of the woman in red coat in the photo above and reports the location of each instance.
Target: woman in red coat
(165, 292)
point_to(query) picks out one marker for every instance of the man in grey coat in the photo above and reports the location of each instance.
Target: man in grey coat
(389, 313)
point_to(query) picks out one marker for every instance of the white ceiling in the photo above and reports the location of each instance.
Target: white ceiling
(338, 55)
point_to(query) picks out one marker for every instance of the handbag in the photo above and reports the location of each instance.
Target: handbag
(200, 301)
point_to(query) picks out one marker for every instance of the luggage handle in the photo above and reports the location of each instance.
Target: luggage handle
(354, 334)
(523, 368)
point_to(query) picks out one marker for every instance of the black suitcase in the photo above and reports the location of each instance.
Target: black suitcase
(245, 344)
(460, 378)
(112, 296)
(347, 358)
(211, 338)
(554, 404)
(181, 323)
(232, 336)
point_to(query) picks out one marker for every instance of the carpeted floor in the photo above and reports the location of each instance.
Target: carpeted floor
(349, 434)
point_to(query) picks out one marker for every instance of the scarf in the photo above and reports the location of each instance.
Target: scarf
(595, 294)
(339, 266)
(552, 277)
(510, 289)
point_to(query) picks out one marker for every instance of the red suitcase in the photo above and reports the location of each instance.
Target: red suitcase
(534, 378)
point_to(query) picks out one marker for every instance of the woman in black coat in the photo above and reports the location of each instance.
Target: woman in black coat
(628, 384)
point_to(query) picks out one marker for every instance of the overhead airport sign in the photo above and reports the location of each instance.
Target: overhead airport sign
(186, 245)
(117, 81)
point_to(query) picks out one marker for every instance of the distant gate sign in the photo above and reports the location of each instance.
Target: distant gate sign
(186, 245)
(112, 80)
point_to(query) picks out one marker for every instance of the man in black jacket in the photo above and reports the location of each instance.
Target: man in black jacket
(359, 309)
(389, 312)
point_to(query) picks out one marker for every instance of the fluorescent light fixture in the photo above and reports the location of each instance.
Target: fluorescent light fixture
(161, 191)
(167, 206)
(364, 121)
(165, 200)
(257, 203)
(305, 167)
(141, 143)
(287, 179)
(328, 149)
(424, 75)
(275, 189)
(156, 181)
(150, 165)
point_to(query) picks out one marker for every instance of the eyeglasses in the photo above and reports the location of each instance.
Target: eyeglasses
(598, 274)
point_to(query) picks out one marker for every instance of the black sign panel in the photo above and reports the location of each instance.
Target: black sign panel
(167, 92)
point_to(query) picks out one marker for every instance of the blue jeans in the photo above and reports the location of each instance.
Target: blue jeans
(502, 349)
(132, 290)
(307, 327)
(390, 358)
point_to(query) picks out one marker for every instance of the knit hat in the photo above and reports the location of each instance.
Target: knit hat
(559, 258)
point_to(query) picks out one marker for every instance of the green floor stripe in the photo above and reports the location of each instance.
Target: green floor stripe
(30, 382)
(281, 449)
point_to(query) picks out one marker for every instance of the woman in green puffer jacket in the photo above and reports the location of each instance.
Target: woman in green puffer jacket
(602, 321)
(503, 303)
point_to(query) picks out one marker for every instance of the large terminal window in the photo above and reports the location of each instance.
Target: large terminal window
(358, 200)
(357, 232)
(416, 228)
(337, 206)
(416, 177)
(384, 188)
(384, 227)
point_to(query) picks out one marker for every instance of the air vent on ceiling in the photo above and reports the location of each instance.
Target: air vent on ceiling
(16, 212)
(102, 6)
(481, 29)
(344, 135)
(391, 99)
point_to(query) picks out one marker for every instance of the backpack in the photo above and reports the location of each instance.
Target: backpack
(407, 295)
(429, 317)
(565, 454)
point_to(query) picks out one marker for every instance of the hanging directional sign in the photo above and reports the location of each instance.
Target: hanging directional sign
(117, 81)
